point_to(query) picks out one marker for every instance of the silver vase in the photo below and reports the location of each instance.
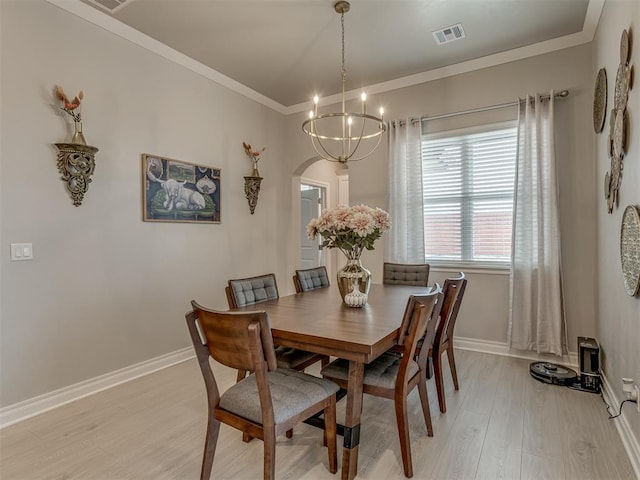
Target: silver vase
(353, 278)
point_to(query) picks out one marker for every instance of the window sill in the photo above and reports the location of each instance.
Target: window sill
(471, 268)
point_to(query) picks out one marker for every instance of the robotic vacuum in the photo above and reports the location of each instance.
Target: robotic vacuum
(551, 373)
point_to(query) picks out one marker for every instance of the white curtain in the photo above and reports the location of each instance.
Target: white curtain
(537, 320)
(405, 242)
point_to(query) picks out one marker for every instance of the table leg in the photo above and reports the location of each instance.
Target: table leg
(352, 421)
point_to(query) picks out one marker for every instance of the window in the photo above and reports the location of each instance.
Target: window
(468, 179)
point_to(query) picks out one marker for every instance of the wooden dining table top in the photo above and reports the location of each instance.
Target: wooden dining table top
(318, 321)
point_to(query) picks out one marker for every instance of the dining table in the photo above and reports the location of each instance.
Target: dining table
(318, 321)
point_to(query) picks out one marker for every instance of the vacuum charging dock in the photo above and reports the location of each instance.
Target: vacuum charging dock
(589, 379)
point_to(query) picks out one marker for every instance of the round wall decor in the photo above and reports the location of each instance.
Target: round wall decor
(624, 47)
(600, 101)
(630, 249)
(621, 90)
(616, 144)
(619, 133)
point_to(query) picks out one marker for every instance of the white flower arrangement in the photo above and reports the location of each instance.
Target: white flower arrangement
(351, 229)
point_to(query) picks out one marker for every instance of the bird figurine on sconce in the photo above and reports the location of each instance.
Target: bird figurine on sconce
(76, 160)
(252, 182)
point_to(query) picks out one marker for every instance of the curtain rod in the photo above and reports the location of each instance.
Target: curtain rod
(562, 94)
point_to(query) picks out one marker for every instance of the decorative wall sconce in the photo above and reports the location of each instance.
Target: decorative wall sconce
(252, 182)
(76, 160)
(251, 191)
(76, 164)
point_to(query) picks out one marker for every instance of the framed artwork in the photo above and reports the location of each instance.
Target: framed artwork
(177, 191)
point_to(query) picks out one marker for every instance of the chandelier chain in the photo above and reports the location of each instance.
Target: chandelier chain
(344, 69)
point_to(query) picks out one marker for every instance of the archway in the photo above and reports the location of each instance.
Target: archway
(335, 178)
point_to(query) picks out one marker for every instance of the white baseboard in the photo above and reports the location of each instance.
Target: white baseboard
(37, 405)
(629, 441)
(499, 348)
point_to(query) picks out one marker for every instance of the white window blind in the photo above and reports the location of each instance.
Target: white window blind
(468, 179)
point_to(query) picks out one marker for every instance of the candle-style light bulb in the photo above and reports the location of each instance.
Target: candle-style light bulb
(381, 112)
(311, 115)
(316, 100)
(363, 96)
(349, 121)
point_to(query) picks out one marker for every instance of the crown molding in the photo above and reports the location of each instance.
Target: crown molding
(90, 14)
(103, 20)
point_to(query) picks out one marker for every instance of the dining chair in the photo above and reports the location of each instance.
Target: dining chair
(416, 274)
(310, 279)
(268, 402)
(393, 376)
(253, 290)
(453, 290)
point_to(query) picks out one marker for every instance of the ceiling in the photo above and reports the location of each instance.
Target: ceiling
(289, 50)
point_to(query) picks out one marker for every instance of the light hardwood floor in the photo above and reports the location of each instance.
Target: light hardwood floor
(501, 424)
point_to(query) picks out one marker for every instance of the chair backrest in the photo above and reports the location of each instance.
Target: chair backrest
(247, 291)
(420, 313)
(453, 292)
(405, 326)
(310, 279)
(406, 274)
(239, 340)
(230, 337)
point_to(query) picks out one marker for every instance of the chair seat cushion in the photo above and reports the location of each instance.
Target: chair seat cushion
(291, 392)
(382, 372)
(288, 357)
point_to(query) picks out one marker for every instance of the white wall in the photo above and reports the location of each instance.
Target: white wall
(618, 317)
(105, 289)
(484, 315)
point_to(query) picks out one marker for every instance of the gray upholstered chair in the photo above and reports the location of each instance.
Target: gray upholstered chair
(310, 279)
(394, 376)
(406, 274)
(247, 291)
(267, 403)
(253, 290)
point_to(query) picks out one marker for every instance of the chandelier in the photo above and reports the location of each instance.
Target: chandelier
(337, 137)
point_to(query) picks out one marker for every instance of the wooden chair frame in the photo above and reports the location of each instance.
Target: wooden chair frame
(453, 289)
(243, 341)
(419, 318)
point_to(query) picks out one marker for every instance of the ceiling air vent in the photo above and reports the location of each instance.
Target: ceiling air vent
(449, 34)
(111, 6)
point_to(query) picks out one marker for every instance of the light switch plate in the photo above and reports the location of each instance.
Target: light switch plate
(21, 251)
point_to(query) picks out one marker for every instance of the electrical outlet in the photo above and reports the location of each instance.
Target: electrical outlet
(631, 391)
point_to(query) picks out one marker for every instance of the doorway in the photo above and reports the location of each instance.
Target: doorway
(313, 200)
